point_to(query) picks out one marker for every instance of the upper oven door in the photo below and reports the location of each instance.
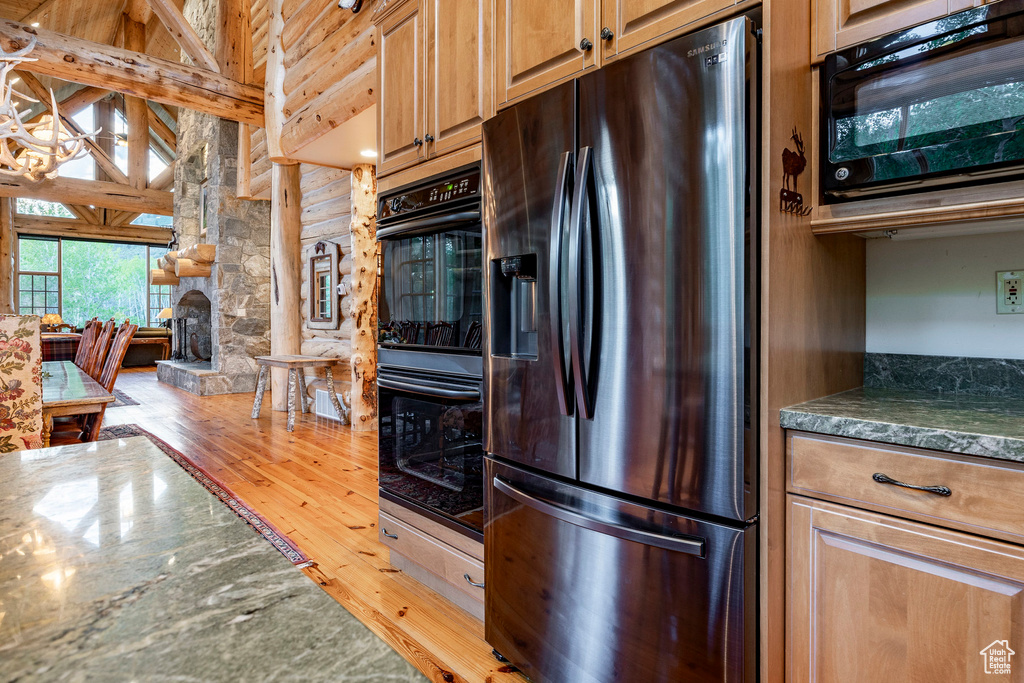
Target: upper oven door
(431, 290)
(941, 103)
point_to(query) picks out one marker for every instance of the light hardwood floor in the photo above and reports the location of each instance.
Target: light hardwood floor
(317, 485)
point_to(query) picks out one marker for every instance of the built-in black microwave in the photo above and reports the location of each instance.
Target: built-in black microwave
(937, 105)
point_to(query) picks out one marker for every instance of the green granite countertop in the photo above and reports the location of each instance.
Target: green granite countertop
(992, 427)
(115, 565)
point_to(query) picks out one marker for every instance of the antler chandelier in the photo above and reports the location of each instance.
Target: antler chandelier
(33, 150)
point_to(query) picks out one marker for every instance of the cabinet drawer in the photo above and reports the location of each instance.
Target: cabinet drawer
(439, 558)
(985, 496)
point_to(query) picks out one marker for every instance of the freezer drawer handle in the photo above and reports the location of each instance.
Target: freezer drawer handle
(885, 479)
(384, 531)
(690, 545)
(412, 388)
(471, 582)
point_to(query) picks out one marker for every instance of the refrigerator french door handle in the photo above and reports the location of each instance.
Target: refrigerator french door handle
(579, 205)
(688, 545)
(555, 285)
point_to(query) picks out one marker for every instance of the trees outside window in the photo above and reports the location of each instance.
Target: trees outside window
(81, 280)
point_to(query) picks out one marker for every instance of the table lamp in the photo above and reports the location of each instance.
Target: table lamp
(165, 314)
(51, 320)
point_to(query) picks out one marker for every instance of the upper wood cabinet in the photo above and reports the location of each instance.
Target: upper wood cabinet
(401, 110)
(875, 598)
(434, 63)
(541, 42)
(629, 24)
(836, 24)
(459, 79)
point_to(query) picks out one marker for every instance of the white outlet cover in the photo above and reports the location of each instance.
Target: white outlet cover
(1001, 280)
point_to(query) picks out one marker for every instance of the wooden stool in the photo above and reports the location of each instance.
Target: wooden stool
(295, 366)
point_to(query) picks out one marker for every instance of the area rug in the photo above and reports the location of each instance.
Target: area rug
(260, 525)
(122, 399)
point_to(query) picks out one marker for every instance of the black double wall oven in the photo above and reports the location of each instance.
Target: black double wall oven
(430, 373)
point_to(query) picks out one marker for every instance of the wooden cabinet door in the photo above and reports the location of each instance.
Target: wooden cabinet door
(631, 24)
(873, 598)
(400, 104)
(459, 79)
(537, 43)
(836, 24)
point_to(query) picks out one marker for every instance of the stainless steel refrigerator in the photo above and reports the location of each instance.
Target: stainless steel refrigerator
(620, 368)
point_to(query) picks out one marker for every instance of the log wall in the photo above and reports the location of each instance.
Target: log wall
(327, 216)
(330, 68)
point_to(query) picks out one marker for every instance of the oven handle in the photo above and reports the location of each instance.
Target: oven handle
(413, 388)
(429, 222)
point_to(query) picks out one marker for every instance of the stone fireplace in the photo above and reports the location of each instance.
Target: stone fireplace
(229, 311)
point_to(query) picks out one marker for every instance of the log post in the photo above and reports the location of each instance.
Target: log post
(364, 298)
(136, 113)
(7, 255)
(285, 273)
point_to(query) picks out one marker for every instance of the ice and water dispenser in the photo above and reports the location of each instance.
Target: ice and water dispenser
(514, 306)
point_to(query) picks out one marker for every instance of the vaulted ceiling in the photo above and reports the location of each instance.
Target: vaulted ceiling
(98, 21)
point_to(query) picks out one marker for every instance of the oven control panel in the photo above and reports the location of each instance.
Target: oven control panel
(434, 194)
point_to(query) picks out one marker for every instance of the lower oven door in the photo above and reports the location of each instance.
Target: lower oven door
(586, 588)
(431, 444)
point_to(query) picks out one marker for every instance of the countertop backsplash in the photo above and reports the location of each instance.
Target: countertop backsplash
(997, 377)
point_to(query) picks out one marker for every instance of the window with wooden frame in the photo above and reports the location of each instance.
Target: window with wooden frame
(323, 287)
(38, 276)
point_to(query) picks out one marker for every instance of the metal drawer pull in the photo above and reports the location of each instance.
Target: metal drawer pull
(384, 531)
(885, 479)
(471, 582)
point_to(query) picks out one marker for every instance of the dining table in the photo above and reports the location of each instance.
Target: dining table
(69, 390)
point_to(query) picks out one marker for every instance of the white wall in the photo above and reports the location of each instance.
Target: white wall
(937, 296)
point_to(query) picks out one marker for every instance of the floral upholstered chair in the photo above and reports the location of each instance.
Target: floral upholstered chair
(21, 383)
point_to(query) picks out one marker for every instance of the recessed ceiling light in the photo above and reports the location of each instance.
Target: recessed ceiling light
(369, 153)
(35, 24)
(353, 5)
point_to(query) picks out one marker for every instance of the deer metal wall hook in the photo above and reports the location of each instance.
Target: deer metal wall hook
(793, 164)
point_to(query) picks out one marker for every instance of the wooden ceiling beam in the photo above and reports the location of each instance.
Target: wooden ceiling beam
(164, 179)
(75, 102)
(103, 160)
(184, 35)
(138, 10)
(136, 113)
(234, 40)
(119, 218)
(68, 227)
(97, 193)
(135, 73)
(85, 213)
(162, 130)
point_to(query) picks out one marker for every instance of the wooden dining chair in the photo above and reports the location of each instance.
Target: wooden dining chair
(440, 334)
(85, 344)
(21, 383)
(94, 364)
(474, 335)
(88, 428)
